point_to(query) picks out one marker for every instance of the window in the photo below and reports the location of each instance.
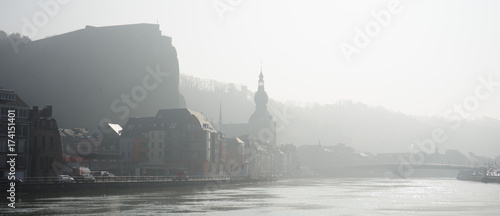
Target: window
(43, 142)
(143, 154)
(160, 155)
(152, 135)
(173, 125)
(3, 158)
(23, 113)
(3, 129)
(152, 145)
(4, 111)
(144, 145)
(34, 141)
(129, 154)
(23, 130)
(21, 146)
(50, 162)
(160, 145)
(21, 162)
(152, 155)
(3, 146)
(42, 165)
(51, 142)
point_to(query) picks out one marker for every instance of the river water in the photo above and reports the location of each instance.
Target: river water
(333, 196)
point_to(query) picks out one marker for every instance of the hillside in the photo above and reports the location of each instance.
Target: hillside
(365, 128)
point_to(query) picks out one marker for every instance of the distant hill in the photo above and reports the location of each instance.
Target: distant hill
(365, 128)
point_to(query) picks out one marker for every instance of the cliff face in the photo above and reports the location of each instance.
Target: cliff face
(97, 73)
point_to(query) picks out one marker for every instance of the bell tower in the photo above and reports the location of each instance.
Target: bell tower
(261, 124)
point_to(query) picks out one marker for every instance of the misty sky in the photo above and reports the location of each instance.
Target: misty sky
(422, 61)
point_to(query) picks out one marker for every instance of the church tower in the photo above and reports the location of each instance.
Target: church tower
(261, 124)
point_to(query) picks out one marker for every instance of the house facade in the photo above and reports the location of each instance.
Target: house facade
(173, 139)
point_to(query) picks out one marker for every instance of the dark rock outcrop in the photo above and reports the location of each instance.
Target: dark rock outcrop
(96, 73)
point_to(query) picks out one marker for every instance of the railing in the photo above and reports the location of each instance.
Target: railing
(108, 179)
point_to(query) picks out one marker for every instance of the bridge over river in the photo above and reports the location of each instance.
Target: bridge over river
(396, 165)
(397, 169)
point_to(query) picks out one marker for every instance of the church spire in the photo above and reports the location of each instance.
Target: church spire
(261, 97)
(260, 119)
(220, 115)
(261, 78)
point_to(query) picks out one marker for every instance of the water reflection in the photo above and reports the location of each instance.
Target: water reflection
(298, 197)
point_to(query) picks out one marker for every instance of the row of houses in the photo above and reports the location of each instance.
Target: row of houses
(174, 139)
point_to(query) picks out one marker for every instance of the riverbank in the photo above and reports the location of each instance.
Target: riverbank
(106, 188)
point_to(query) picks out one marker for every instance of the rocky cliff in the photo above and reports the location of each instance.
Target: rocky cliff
(96, 73)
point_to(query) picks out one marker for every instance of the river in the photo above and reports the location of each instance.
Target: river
(330, 196)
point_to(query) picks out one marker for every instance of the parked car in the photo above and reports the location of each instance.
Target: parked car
(85, 178)
(181, 175)
(65, 179)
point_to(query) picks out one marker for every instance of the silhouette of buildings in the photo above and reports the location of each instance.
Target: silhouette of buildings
(9, 100)
(45, 146)
(97, 151)
(260, 126)
(173, 139)
(37, 142)
(252, 148)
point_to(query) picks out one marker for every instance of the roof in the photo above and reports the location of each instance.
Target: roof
(116, 128)
(203, 120)
(181, 115)
(16, 102)
(124, 30)
(75, 132)
(139, 125)
(166, 119)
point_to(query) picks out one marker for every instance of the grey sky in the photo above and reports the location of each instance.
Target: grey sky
(427, 58)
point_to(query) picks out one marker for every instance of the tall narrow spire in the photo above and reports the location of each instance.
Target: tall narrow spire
(220, 115)
(261, 119)
(261, 78)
